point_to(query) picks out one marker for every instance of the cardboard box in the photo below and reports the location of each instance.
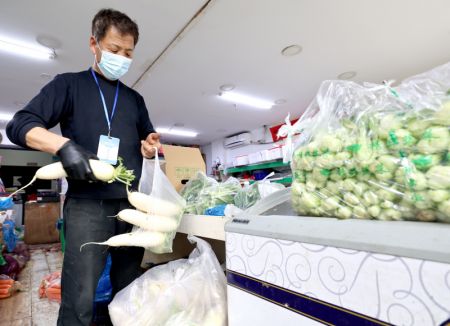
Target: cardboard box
(40, 222)
(182, 163)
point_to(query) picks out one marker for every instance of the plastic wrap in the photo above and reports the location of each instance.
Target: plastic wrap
(9, 235)
(193, 188)
(249, 195)
(221, 193)
(11, 268)
(203, 193)
(182, 292)
(6, 203)
(376, 151)
(50, 287)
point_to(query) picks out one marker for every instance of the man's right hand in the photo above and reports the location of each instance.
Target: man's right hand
(75, 161)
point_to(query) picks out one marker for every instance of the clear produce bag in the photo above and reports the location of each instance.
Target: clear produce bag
(202, 193)
(217, 194)
(154, 182)
(182, 292)
(193, 188)
(376, 151)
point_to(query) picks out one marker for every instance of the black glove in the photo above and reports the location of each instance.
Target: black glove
(75, 161)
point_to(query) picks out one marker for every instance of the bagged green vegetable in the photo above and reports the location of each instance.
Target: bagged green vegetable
(193, 188)
(375, 151)
(203, 192)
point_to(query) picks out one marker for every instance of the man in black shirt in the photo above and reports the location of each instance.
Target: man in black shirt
(94, 110)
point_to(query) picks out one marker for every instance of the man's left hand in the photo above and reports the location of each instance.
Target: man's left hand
(148, 145)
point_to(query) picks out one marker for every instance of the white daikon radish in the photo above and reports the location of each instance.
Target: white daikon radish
(148, 222)
(145, 239)
(154, 206)
(101, 170)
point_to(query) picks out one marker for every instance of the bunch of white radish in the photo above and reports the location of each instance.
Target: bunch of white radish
(377, 165)
(155, 220)
(102, 171)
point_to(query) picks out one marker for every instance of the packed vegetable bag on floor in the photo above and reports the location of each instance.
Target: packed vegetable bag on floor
(180, 293)
(376, 151)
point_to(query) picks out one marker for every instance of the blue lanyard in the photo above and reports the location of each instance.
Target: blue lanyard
(108, 119)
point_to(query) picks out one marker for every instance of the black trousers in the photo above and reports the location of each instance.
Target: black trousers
(89, 220)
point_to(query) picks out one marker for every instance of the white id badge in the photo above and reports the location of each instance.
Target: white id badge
(108, 149)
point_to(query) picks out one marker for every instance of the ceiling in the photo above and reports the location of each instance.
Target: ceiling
(231, 41)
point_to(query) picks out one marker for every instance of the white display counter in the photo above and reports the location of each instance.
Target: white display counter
(290, 270)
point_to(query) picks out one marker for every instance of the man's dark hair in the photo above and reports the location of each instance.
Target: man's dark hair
(107, 18)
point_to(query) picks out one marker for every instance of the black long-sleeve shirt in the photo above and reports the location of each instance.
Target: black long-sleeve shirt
(73, 100)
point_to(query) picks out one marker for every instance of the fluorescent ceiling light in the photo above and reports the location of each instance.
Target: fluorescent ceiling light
(246, 100)
(177, 132)
(6, 116)
(29, 50)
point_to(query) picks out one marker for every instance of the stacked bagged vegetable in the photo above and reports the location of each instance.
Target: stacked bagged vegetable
(202, 193)
(376, 152)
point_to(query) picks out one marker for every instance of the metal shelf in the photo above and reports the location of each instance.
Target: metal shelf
(287, 180)
(259, 166)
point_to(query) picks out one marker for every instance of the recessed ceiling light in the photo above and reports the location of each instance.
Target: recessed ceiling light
(45, 76)
(177, 132)
(291, 50)
(48, 41)
(281, 101)
(19, 104)
(347, 75)
(227, 87)
(237, 98)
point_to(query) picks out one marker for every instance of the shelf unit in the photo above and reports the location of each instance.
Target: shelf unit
(258, 166)
(285, 181)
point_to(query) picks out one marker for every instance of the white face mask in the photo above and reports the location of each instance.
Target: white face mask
(113, 66)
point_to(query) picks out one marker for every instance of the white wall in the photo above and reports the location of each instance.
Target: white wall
(207, 150)
(215, 150)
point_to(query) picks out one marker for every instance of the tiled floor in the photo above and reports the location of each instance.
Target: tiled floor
(25, 308)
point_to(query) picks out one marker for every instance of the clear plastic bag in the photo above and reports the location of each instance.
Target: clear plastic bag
(376, 151)
(182, 292)
(155, 183)
(191, 191)
(50, 287)
(9, 234)
(249, 195)
(218, 194)
(203, 192)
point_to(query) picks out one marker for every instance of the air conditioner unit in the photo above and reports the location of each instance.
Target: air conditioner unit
(238, 140)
